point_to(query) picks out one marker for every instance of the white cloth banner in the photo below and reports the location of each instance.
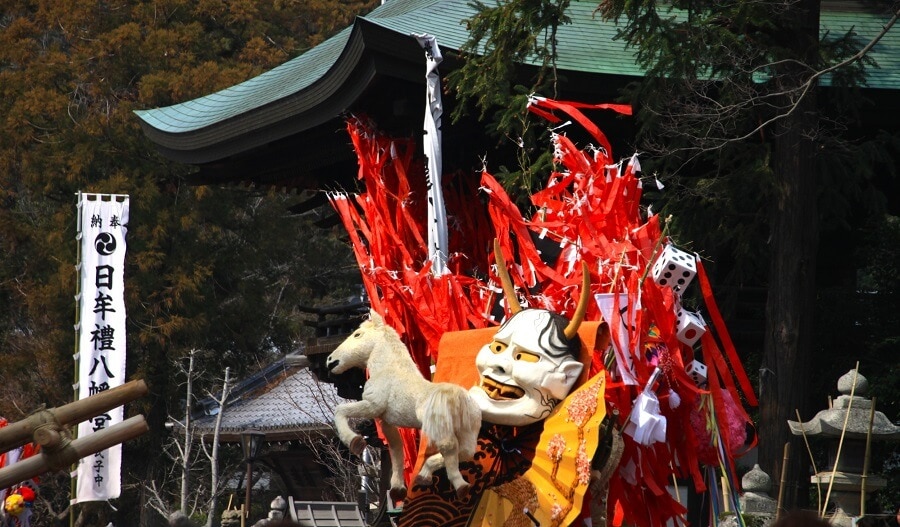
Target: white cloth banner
(434, 109)
(624, 359)
(102, 225)
(646, 424)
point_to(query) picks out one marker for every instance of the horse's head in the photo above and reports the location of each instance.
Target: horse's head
(355, 350)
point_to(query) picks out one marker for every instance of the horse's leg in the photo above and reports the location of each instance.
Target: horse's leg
(448, 457)
(463, 448)
(450, 453)
(395, 444)
(432, 463)
(342, 414)
(468, 440)
(446, 412)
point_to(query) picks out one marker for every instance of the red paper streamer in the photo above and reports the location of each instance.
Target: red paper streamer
(590, 210)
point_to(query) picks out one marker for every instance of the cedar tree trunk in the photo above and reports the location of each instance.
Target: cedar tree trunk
(784, 376)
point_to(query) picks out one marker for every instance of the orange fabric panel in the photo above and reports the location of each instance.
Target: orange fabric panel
(456, 355)
(457, 351)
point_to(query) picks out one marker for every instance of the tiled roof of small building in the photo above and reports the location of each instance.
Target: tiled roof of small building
(585, 45)
(287, 404)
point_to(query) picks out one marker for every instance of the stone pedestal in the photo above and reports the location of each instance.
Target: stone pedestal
(846, 493)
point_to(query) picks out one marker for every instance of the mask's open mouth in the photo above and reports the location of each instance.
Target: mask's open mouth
(499, 391)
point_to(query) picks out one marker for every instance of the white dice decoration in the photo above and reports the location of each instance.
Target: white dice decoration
(689, 326)
(674, 268)
(696, 370)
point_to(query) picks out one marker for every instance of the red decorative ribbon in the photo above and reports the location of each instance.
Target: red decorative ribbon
(590, 209)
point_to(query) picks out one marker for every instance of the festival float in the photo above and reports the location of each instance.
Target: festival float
(599, 388)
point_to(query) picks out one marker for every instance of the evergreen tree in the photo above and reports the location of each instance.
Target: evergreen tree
(216, 269)
(733, 119)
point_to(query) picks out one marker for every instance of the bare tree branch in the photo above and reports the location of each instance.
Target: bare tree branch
(188, 436)
(707, 125)
(214, 455)
(812, 82)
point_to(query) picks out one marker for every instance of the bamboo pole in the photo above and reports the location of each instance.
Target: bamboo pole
(784, 464)
(865, 472)
(837, 455)
(675, 486)
(726, 495)
(79, 230)
(75, 450)
(812, 460)
(17, 434)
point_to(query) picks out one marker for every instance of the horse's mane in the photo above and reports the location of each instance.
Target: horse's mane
(379, 324)
(391, 337)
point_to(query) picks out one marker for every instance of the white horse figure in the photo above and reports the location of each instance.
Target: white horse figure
(398, 395)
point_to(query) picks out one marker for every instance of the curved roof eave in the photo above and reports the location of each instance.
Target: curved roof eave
(283, 433)
(196, 132)
(321, 84)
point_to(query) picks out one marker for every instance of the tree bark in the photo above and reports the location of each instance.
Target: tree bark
(188, 437)
(784, 384)
(211, 519)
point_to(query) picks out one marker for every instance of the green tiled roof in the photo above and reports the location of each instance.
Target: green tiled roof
(585, 45)
(272, 85)
(886, 52)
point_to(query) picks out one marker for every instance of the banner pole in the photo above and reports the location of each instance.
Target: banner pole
(75, 356)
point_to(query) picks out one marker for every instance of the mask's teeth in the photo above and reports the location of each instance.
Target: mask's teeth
(499, 391)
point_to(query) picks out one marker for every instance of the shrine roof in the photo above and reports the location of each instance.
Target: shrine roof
(323, 82)
(282, 401)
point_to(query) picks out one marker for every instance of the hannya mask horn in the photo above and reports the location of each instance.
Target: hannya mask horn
(513, 301)
(508, 290)
(581, 309)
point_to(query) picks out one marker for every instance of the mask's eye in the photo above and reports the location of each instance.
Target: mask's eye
(357, 334)
(497, 347)
(527, 356)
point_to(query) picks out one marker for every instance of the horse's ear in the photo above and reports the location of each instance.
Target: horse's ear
(375, 317)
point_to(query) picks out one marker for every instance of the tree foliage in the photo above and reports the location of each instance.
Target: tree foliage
(490, 79)
(217, 269)
(764, 167)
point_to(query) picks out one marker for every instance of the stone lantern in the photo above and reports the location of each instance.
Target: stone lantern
(845, 475)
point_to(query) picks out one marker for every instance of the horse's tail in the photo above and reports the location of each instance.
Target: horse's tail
(450, 414)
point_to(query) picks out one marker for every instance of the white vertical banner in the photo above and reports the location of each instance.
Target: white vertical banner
(608, 303)
(434, 109)
(102, 225)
